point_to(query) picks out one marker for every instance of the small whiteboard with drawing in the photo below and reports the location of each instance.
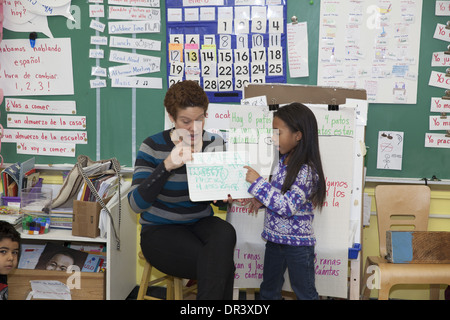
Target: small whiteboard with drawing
(215, 175)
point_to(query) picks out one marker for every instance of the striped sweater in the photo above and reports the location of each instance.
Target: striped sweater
(160, 196)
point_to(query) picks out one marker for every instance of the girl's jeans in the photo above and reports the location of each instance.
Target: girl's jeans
(299, 260)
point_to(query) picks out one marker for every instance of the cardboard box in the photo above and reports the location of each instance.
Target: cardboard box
(86, 215)
(418, 246)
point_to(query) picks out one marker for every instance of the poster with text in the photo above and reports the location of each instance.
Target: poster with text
(45, 69)
(372, 45)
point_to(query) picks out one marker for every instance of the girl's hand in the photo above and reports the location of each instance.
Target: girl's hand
(252, 175)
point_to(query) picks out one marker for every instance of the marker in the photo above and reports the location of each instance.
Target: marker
(33, 36)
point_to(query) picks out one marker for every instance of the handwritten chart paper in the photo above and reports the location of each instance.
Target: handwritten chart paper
(297, 38)
(439, 80)
(31, 16)
(40, 106)
(249, 252)
(46, 122)
(371, 45)
(390, 150)
(134, 43)
(258, 144)
(251, 131)
(331, 226)
(16, 135)
(437, 140)
(441, 32)
(43, 120)
(439, 105)
(442, 8)
(46, 149)
(215, 175)
(44, 70)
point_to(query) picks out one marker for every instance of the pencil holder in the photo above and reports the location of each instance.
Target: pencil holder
(35, 206)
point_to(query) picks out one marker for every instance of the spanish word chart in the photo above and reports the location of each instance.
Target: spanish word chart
(226, 44)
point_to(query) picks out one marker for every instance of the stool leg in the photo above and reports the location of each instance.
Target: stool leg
(170, 288)
(178, 288)
(434, 291)
(144, 281)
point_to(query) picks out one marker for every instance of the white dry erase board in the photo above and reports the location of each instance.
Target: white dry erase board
(215, 175)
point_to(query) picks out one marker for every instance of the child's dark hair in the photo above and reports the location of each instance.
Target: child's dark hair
(7, 230)
(299, 117)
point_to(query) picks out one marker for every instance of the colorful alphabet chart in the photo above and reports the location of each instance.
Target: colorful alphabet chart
(226, 44)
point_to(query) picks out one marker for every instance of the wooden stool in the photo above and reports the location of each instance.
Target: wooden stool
(175, 290)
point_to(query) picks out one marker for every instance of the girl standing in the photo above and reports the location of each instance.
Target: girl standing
(296, 187)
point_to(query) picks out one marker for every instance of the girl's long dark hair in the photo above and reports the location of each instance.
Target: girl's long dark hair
(299, 117)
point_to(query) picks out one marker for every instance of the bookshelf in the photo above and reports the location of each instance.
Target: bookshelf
(61, 235)
(120, 277)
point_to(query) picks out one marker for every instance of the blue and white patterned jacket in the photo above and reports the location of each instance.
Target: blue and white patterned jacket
(289, 216)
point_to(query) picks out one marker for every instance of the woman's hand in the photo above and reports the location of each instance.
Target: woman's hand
(252, 175)
(178, 157)
(227, 200)
(254, 205)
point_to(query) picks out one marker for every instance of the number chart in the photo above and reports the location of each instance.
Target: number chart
(226, 44)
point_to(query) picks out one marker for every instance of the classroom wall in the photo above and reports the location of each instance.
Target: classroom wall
(440, 204)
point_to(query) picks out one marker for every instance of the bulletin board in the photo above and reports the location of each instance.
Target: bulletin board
(226, 44)
(117, 119)
(413, 119)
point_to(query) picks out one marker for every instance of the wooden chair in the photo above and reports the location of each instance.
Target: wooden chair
(175, 288)
(399, 206)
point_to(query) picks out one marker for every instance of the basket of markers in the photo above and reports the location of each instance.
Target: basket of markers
(35, 206)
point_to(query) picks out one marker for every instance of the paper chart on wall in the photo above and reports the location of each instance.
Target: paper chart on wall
(126, 18)
(390, 150)
(35, 127)
(45, 69)
(297, 39)
(438, 140)
(372, 45)
(442, 8)
(31, 16)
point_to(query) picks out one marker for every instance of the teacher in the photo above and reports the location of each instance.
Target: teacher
(180, 237)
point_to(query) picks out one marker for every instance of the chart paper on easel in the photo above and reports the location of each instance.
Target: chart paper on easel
(332, 224)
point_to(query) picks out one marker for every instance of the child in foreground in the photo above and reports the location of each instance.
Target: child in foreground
(9, 255)
(296, 187)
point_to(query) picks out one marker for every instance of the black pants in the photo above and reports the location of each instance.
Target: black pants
(203, 251)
